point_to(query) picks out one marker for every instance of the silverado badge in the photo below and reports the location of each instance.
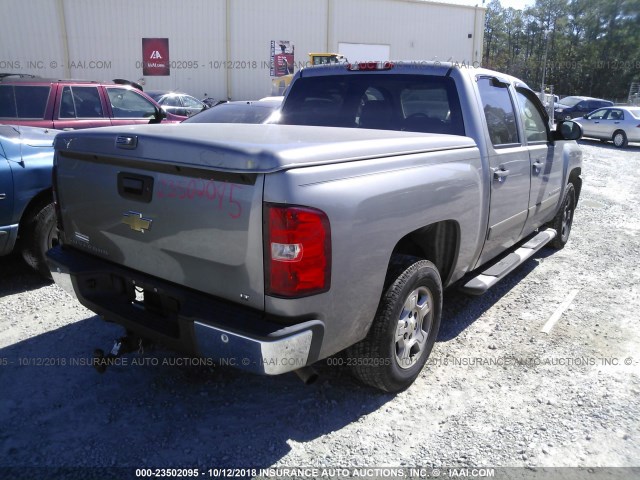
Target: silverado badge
(136, 221)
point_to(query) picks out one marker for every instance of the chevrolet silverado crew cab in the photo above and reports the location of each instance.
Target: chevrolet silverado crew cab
(270, 247)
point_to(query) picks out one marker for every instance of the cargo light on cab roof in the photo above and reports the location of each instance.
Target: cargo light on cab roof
(370, 66)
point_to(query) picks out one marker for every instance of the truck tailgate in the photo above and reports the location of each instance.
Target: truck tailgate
(185, 222)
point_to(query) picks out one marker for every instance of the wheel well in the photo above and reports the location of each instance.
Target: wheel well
(574, 177)
(437, 243)
(35, 205)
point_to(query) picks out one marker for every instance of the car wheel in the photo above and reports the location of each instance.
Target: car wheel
(563, 220)
(38, 235)
(620, 139)
(404, 329)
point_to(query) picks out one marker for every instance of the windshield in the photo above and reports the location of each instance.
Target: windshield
(234, 113)
(413, 103)
(570, 101)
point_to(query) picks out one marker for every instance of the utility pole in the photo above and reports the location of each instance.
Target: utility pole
(544, 62)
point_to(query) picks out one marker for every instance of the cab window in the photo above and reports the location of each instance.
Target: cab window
(126, 103)
(533, 120)
(498, 111)
(597, 115)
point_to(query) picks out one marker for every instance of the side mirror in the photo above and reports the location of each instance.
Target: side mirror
(159, 116)
(567, 130)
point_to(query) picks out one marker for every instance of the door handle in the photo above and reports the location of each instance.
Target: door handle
(537, 166)
(500, 175)
(616, 123)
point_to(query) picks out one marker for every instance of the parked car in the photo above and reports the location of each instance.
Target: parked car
(271, 247)
(620, 125)
(178, 103)
(239, 112)
(212, 102)
(26, 201)
(572, 107)
(73, 104)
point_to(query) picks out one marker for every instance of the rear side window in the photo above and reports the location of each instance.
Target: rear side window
(7, 102)
(499, 112)
(81, 102)
(23, 101)
(413, 103)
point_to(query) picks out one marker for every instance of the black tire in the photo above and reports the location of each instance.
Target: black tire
(619, 139)
(563, 220)
(38, 234)
(390, 358)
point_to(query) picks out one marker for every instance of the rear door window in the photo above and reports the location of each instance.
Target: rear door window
(81, 102)
(499, 112)
(7, 102)
(23, 101)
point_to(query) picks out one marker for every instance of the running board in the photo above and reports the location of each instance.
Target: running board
(496, 272)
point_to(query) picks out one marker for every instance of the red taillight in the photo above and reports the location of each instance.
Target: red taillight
(370, 66)
(297, 251)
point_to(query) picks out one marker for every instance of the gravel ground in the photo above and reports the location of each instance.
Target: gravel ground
(498, 392)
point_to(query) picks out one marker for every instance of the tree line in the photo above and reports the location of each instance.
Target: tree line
(573, 47)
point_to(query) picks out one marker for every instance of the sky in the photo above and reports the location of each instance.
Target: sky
(517, 4)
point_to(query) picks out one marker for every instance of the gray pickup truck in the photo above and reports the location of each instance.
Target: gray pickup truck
(270, 247)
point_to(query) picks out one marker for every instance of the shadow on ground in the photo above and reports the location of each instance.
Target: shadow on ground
(157, 411)
(17, 277)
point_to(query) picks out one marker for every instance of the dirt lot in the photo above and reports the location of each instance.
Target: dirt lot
(498, 391)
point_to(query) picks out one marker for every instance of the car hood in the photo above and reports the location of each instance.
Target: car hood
(562, 105)
(37, 137)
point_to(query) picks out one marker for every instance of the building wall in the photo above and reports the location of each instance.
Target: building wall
(221, 47)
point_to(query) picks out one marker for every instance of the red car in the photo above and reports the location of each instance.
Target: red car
(73, 104)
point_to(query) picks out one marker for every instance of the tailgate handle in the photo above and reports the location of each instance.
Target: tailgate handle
(135, 187)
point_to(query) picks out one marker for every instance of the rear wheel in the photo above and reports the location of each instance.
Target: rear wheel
(38, 235)
(620, 139)
(563, 220)
(404, 329)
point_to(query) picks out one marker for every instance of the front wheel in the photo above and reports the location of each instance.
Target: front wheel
(620, 139)
(563, 220)
(404, 329)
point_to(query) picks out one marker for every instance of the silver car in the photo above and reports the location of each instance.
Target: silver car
(620, 125)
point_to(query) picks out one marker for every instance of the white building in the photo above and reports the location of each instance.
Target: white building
(222, 47)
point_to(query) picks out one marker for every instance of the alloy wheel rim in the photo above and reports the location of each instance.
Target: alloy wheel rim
(413, 327)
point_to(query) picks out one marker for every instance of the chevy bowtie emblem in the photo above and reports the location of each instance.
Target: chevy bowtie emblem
(136, 221)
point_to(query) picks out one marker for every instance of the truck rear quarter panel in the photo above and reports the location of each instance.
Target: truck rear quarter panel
(371, 205)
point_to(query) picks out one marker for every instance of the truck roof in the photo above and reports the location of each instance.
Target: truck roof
(421, 67)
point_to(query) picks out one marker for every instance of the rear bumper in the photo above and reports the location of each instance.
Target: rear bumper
(186, 320)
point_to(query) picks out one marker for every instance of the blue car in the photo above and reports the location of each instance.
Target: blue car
(27, 216)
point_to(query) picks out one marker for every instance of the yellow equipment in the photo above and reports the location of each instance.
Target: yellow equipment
(280, 84)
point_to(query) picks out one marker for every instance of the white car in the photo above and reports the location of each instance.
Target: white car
(620, 125)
